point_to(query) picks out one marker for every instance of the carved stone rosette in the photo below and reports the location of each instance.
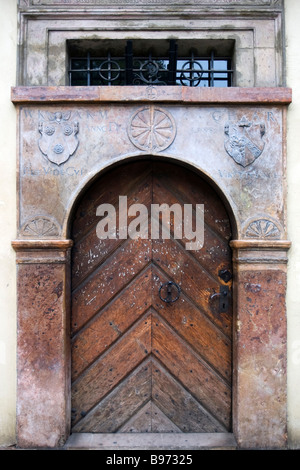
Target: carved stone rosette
(152, 129)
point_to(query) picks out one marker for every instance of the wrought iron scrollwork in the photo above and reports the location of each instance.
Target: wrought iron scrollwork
(149, 69)
(148, 72)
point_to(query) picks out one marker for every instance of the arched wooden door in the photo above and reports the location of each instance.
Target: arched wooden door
(140, 364)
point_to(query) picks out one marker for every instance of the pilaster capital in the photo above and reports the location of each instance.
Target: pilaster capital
(264, 252)
(42, 251)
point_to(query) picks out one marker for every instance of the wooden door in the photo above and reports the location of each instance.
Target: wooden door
(140, 364)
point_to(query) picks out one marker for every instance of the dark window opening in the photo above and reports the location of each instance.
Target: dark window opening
(126, 64)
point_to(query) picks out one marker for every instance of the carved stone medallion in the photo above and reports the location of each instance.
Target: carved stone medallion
(40, 227)
(262, 228)
(244, 141)
(58, 139)
(152, 129)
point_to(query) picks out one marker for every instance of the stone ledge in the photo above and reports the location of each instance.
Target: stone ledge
(25, 245)
(251, 244)
(176, 94)
(260, 252)
(42, 251)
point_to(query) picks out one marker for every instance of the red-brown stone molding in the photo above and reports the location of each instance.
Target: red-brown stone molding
(20, 245)
(261, 244)
(232, 95)
(41, 251)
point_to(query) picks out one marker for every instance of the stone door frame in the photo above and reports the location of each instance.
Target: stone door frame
(259, 246)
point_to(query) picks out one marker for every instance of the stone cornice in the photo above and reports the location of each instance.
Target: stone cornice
(167, 4)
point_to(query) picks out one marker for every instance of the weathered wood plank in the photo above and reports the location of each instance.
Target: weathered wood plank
(90, 251)
(215, 253)
(117, 271)
(201, 333)
(196, 283)
(112, 367)
(140, 422)
(161, 423)
(208, 388)
(180, 407)
(122, 403)
(111, 323)
(150, 419)
(128, 180)
(186, 187)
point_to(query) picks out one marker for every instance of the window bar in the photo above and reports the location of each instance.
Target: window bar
(211, 69)
(70, 71)
(172, 63)
(88, 68)
(229, 73)
(108, 77)
(129, 63)
(192, 73)
(109, 69)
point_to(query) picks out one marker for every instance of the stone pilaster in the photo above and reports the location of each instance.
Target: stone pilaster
(43, 360)
(259, 409)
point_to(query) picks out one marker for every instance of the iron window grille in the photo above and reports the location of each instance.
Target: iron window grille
(194, 70)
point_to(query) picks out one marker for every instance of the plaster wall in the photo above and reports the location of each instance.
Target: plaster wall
(8, 40)
(292, 16)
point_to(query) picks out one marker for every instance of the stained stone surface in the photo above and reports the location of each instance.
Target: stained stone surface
(239, 148)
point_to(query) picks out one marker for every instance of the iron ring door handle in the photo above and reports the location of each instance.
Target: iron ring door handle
(168, 299)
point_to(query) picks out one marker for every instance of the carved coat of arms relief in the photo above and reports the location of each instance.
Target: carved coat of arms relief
(58, 139)
(244, 141)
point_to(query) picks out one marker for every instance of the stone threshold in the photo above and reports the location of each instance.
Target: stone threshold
(151, 441)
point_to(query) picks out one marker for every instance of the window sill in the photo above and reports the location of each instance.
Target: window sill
(172, 94)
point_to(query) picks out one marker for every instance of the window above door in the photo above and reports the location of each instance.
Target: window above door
(157, 62)
(229, 44)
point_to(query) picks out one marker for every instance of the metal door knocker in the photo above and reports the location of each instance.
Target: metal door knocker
(169, 285)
